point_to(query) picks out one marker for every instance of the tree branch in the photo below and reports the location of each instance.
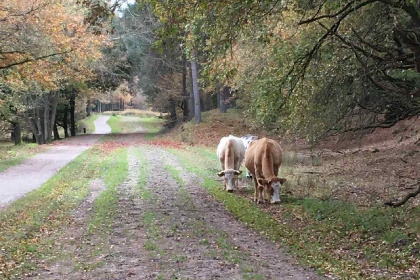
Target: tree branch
(315, 18)
(404, 200)
(32, 59)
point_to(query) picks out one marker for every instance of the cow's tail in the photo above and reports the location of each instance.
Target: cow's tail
(267, 163)
(229, 155)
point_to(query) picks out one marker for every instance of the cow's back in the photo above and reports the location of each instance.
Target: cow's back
(263, 156)
(231, 148)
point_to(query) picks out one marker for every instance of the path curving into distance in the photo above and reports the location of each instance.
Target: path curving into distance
(101, 125)
(18, 180)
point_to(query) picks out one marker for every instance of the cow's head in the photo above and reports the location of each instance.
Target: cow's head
(272, 187)
(230, 178)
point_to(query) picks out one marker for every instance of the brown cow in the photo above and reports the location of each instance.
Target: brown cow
(263, 160)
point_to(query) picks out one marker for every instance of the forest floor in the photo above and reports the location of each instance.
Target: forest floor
(135, 206)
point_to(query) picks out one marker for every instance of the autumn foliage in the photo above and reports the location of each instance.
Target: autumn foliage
(48, 51)
(45, 43)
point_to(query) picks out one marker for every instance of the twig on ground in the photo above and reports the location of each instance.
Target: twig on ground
(404, 200)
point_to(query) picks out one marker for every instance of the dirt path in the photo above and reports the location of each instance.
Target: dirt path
(18, 180)
(167, 227)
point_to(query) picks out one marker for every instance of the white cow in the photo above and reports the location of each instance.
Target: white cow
(231, 153)
(247, 139)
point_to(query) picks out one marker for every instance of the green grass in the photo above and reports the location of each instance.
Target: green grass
(153, 125)
(150, 245)
(133, 112)
(115, 123)
(144, 192)
(175, 174)
(11, 154)
(88, 123)
(28, 224)
(120, 124)
(114, 170)
(324, 234)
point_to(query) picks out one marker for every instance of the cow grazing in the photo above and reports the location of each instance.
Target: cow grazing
(231, 153)
(247, 139)
(263, 159)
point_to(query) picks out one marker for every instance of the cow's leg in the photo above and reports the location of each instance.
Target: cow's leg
(258, 190)
(222, 163)
(255, 189)
(259, 194)
(276, 170)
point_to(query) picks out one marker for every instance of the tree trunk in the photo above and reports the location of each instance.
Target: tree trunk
(191, 101)
(65, 120)
(35, 135)
(17, 133)
(40, 122)
(185, 103)
(47, 124)
(218, 97)
(223, 96)
(72, 119)
(35, 121)
(53, 111)
(194, 73)
(172, 109)
(88, 108)
(56, 135)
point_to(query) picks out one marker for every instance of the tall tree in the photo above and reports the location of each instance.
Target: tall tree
(196, 90)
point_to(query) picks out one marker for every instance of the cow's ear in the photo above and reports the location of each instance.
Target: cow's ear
(262, 181)
(282, 180)
(220, 174)
(237, 172)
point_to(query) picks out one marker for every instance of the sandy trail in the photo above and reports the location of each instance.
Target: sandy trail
(18, 180)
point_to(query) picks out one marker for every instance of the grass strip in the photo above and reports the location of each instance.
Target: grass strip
(175, 174)
(144, 168)
(115, 123)
(114, 171)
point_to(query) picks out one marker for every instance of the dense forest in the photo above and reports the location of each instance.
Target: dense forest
(305, 68)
